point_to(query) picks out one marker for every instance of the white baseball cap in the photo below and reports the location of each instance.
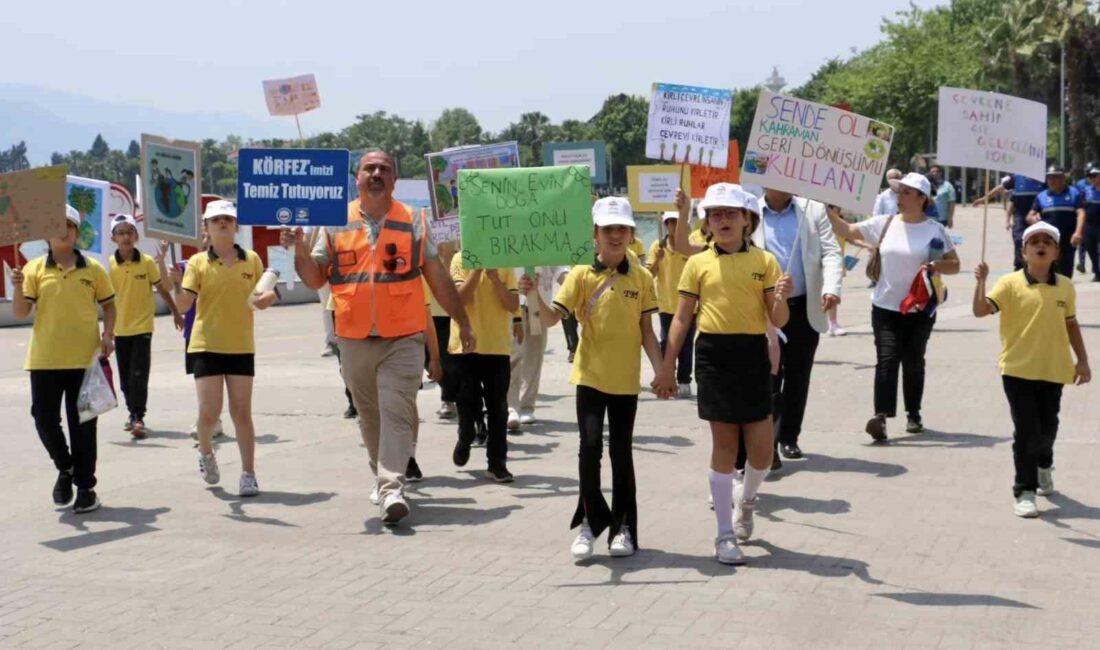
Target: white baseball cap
(1041, 228)
(121, 219)
(72, 215)
(613, 211)
(670, 215)
(723, 195)
(219, 208)
(752, 204)
(918, 182)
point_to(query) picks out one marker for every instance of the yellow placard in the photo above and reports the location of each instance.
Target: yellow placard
(652, 188)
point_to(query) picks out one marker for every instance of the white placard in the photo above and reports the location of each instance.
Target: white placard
(987, 130)
(689, 124)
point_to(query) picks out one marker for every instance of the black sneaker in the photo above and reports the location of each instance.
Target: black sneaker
(351, 413)
(86, 501)
(461, 453)
(63, 489)
(790, 450)
(412, 472)
(913, 424)
(876, 427)
(499, 474)
(776, 463)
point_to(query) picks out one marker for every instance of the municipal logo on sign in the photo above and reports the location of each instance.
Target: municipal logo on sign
(283, 215)
(302, 215)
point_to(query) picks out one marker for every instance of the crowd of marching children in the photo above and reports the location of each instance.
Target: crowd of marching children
(740, 302)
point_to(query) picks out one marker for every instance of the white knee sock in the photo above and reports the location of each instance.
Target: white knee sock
(753, 478)
(721, 492)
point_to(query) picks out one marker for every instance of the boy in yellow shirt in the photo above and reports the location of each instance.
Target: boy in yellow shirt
(134, 276)
(65, 289)
(1038, 328)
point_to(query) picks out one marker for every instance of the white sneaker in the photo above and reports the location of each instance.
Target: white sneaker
(623, 544)
(1025, 506)
(684, 392)
(375, 496)
(727, 551)
(1046, 482)
(837, 330)
(527, 418)
(446, 411)
(218, 430)
(208, 468)
(742, 514)
(248, 487)
(582, 545)
(394, 509)
(513, 420)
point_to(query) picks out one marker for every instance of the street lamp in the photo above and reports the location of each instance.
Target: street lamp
(775, 82)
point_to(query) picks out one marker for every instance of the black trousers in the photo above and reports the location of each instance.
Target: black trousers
(572, 337)
(340, 363)
(1092, 247)
(592, 406)
(1034, 406)
(791, 387)
(1067, 257)
(448, 386)
(485, 375)
(686, 359)
(900, 340)
(1017, 253)
(134, 354)
(48, 389)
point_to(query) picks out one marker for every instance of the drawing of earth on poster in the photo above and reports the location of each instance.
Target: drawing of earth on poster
(90, 198)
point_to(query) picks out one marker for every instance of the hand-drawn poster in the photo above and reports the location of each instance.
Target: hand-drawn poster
(170, 170)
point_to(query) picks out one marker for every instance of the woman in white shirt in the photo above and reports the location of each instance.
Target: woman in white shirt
(908, 242)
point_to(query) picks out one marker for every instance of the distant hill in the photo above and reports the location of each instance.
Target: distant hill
(51, 120)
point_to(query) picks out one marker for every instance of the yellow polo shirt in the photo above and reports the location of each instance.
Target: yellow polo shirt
(491, 322)
(696, 237)
(66, 318)
(668, 277)
(730, 288)
(638, 248)
(608, 357)
(223, 319)
(1034, 340)
(134, 280)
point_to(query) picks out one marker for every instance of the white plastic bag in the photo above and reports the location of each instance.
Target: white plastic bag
(97, 395)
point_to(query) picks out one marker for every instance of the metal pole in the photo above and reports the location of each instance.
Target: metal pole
(1062, 127)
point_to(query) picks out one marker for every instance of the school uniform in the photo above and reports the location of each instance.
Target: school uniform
(667, 281)
(610, 303)
(222, 339)
(64, 340)
(134, 278)
(1035, 363)
(732, 366)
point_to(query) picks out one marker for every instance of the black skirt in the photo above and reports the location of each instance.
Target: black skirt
(734, 376)
(212, 364)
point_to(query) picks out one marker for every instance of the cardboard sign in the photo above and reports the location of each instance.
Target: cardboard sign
(32, 204)
(292, 187)
(170, 170)
(652, 188)
(291, 96)
(992, 131)
(92, 199)
(533, 216)
(703, 177)
(443, 170)
(689, 124)
(592, 154)
(816, 151)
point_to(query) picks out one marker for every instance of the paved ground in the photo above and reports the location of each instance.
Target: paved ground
(910, 544)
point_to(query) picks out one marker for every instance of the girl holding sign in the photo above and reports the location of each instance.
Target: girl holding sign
(223, 280)
(737, 288)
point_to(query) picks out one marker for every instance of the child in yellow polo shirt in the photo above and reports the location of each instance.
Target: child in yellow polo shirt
(614, 300)
(492, 303)
(737, 288)
(222, 279)
(134, 276)
(1038, 328)
(65, 290)
(667, 264)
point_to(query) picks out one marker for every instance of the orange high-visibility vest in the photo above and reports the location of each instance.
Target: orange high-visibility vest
(378, 287)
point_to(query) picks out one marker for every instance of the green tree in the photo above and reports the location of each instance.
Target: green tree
(622, 123)
(741, 115)
(134, 151)
(99, 148)
(455, 127)
(14, 158)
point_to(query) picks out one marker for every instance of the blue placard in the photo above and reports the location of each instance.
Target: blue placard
(292, 187)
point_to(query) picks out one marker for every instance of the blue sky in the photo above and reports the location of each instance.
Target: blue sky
(499, 59)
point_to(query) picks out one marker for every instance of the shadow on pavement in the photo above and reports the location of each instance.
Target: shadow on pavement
(769, 504)
(292, 499)
(646, 559)
(829, 464)
(1068, 508)
(446, 511)
(826, 566)
(934, 438)
(138, 522)
(1087, 543)
(928, 599)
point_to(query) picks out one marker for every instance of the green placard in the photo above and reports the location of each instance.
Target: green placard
(524, 217)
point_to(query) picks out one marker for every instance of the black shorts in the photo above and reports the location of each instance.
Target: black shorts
(734, 376)
(212, 364)
(189, 363)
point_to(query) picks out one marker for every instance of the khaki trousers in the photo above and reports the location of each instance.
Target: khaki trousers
(526, 361)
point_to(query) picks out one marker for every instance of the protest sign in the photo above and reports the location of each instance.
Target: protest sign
(91, 199)
(291, 96)
(170, 189)
(592, 154)
(533, 216)
(703, 177)
(32, 204)
(652, 188)
(292, 187)
(816, 151)
(443, 169)
(992, 131)
(689, 124)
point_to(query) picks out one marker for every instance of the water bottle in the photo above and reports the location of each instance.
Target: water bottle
(266, 283)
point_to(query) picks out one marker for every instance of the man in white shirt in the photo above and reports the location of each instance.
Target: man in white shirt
(887, 200)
